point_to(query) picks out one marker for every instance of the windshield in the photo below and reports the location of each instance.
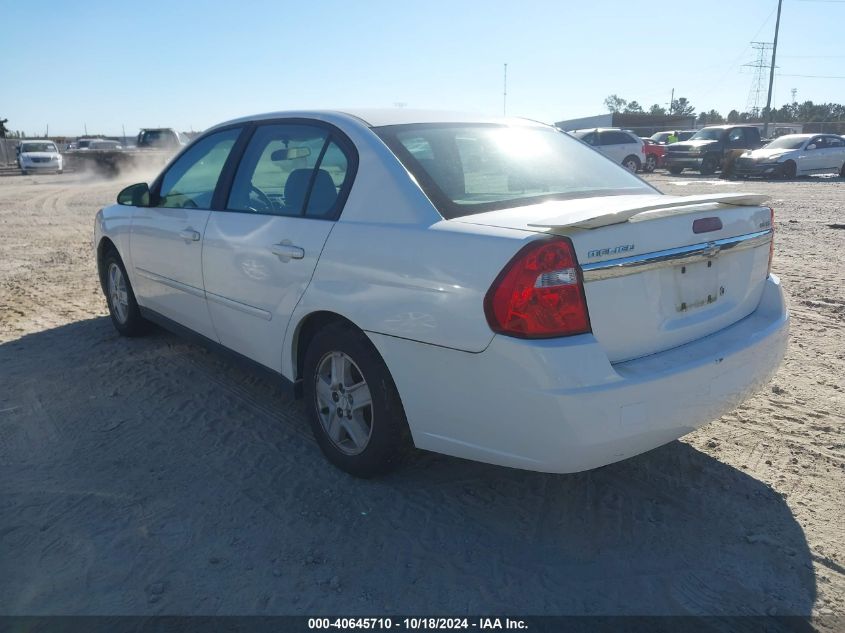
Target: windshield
(38, 147)
(707, 134)
(473, 168)
(787, 142)
(162, 138)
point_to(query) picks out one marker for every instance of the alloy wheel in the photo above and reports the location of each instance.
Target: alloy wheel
(118, 294)
(344, 403)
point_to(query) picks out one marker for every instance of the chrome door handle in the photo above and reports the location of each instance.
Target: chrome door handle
(190, 235)
(286, 251)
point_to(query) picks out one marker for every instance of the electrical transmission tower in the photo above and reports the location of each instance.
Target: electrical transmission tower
(761, 65)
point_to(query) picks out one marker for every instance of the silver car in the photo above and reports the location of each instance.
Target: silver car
(795, 155)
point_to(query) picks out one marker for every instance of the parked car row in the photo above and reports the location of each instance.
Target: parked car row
(715, 147)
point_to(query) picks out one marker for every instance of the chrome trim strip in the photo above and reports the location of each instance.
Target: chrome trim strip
(237, 305)
(623, 266)
(167, 281)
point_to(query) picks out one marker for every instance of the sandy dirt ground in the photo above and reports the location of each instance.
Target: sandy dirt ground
(152, 476)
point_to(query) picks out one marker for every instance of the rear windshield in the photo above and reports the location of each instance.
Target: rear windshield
(473, 168)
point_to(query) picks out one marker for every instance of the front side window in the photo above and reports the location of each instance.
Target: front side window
(818, 142)
(291, 170)
(190, 182)
(615, 138)
(473, 168)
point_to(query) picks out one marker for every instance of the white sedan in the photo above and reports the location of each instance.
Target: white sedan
(487, 288)
(795, 155)
(39, 156)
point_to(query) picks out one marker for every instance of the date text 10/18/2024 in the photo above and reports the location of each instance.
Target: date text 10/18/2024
(422, 623)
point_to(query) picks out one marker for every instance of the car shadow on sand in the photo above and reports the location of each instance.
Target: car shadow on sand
(144, 476)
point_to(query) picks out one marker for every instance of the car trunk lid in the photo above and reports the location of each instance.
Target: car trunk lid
(659, 271)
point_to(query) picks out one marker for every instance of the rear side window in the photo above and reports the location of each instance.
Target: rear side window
(290, 170)
(615, 138)
(189, 183)
(832, 141)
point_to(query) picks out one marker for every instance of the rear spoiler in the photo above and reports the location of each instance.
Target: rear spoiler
(625, 208)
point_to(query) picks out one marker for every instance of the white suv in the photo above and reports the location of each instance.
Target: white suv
(39, 156)
(618, 145)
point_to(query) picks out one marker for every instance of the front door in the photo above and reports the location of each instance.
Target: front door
(813, 157)
(260, 252)
(166, 240)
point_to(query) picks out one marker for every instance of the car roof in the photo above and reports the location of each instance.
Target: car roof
(380, 117)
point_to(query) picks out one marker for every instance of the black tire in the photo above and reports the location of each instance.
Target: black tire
(132, 324)
(709, 165)
(632, 164)
(650, 163)
(842, 171)
(24, 172)
(675, 170)
(789, 169)
(389, 438)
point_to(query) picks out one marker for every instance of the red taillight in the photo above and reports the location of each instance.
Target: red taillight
(539, 294)
(772, 243)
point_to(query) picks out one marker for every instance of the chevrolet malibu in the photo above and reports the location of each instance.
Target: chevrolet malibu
(486, 288)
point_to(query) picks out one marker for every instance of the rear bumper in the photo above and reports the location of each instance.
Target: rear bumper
(558, 405)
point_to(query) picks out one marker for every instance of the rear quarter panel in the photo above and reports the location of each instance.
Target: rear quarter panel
(421, 283)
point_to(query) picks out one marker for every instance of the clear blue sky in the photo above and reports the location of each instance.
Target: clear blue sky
(190, 65)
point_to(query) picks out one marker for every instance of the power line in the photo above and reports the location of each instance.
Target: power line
(812, 76)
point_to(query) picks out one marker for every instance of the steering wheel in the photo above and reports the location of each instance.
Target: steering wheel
(262, 197)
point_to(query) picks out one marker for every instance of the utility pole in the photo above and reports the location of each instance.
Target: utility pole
(772, 74)
(505, 94)
(671, 101)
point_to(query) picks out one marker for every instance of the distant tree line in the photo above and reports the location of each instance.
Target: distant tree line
(807, 112)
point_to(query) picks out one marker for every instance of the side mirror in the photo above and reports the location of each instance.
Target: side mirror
(811, 146)
(135, 195)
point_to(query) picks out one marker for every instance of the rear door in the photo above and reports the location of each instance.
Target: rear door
(834, 154)
(166, 239)
(609, 146)
(260, 251)
(618, 145)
